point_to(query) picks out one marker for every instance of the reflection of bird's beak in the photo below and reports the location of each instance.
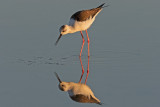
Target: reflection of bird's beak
(58, 77)
(58, 39)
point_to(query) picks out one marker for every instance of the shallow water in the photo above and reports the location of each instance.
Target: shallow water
(124, 61)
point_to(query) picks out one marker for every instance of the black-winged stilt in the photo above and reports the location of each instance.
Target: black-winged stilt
(78, 92)
(80, 21)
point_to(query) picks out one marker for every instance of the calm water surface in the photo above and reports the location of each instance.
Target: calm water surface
(124, 62)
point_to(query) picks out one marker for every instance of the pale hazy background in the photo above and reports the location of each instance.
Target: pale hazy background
(124, 62)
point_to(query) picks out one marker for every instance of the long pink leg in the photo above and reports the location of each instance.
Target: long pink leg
(87, 70)
(82, 70)
(88, 42)
(82, 43)
(88, 57)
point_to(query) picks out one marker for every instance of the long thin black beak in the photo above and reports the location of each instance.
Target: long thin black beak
(58, 39)
(58, 77)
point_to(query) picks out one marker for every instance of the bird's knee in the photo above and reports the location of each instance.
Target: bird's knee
(88, 41)
(83, 40)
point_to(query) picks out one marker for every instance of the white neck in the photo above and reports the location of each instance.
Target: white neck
(71, 85)
(71, 88)
(71, 29)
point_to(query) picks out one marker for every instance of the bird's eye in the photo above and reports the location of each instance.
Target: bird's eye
(64, 30)
(62, 85)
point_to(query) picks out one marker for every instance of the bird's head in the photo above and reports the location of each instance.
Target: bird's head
(64, 29)
(63, 86)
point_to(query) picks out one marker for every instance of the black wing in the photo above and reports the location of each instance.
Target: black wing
(83, 99)
(86, 14)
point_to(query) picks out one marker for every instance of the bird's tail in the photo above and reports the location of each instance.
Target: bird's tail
(102, 6)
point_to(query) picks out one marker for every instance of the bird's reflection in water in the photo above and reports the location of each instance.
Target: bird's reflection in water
(78, 92)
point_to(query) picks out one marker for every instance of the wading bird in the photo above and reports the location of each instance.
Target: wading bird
(80, 21)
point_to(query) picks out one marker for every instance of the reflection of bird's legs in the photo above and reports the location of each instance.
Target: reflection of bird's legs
(87, 70)
(82, 43)
(82, 70)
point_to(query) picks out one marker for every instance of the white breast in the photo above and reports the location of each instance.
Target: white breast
(81, 25)
(81, 89)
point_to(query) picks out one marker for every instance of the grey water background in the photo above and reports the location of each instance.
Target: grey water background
(124, 62)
